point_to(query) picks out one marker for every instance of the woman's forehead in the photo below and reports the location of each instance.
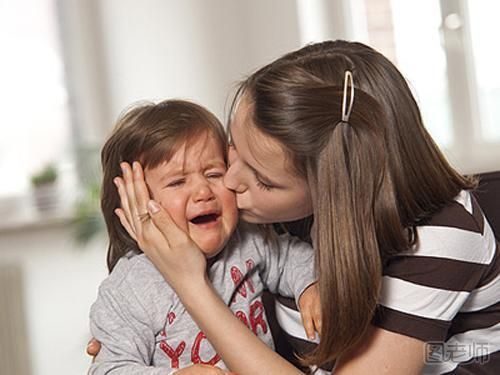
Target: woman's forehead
(259, 150)
(243, 130)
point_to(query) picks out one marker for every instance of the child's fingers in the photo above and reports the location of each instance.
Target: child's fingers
(317, 323)
(307, 321)
(316, 314)
(125, 223)
(140, 188)
(130, 193)
(122, 192)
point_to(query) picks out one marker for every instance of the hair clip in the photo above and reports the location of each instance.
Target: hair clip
(348, 81)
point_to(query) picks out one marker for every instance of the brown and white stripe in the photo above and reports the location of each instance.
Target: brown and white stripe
(447, 290)
(288, 317)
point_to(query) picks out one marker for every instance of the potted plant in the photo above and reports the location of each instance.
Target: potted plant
(88, 221)
(44, 183)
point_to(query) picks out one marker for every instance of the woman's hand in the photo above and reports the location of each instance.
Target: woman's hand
(171, 250)
(202, 370)
(310, 310)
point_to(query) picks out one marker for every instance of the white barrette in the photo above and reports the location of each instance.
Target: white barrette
(348, 81)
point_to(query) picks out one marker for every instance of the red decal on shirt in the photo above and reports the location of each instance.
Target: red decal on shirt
(237, 276)
(257, 317)
(171, 317)
(250, 264)
(240, 281)
(173, 354)
(241, 316)
(195, 352)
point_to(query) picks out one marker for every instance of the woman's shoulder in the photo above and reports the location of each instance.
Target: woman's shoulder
(449, 283)
(459, 231)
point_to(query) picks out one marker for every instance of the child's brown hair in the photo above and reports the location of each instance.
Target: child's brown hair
(149, 133)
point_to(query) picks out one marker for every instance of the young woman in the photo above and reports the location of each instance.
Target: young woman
(408, 266)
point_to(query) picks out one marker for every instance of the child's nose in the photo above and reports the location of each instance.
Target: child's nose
(203, 192)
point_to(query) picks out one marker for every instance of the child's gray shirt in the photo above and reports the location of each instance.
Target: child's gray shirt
(144, 328)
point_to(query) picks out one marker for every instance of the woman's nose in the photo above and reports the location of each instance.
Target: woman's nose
(231, 154)
(233, 181)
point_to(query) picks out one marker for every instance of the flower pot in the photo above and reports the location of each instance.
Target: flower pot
(45, 197)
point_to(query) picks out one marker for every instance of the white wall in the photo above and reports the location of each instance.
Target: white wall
(193, 49)
(60, 283)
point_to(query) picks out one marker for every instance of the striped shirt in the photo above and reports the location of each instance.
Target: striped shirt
(446, 291)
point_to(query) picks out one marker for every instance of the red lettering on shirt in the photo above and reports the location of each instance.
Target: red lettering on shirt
(257, 317)
(241, 316)
(240, 281)
(173, 354)
(170, 317)
(195, 352)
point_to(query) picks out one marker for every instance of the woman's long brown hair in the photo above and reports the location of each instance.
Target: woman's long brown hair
(148, 133)
(372, 179)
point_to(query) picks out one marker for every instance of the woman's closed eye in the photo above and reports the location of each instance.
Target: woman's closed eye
(262, 185)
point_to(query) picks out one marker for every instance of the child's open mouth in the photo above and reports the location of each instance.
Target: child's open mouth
(205, 219)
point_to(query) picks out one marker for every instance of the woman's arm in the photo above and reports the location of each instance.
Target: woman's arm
(383, 352)
(242, 351)
(183, 266)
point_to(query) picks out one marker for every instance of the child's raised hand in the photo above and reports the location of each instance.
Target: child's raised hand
(310, 310)
(171, 250)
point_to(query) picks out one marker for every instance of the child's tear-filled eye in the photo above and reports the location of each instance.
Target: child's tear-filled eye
(215, 175)
(176, 183)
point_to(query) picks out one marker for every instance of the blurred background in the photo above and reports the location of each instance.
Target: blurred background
(69, 67)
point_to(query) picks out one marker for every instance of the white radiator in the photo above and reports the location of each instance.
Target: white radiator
(14, 349)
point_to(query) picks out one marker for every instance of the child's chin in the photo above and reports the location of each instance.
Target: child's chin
(210, 251)
(211, 248)
(211, 254)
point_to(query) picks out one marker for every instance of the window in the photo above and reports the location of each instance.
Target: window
(35, 126)
(420, 56)
(447, 51)
(482, 16)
